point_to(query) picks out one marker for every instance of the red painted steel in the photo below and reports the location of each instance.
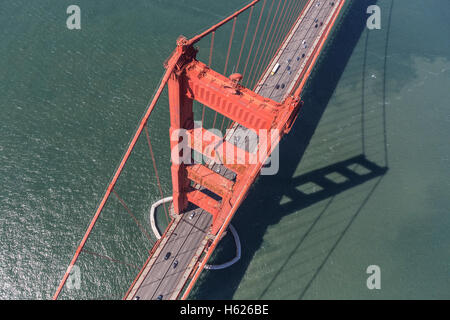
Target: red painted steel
(209, 179)
(207, 143)
(187, 80)
(204, 201)
(181, 117)
(228, 98)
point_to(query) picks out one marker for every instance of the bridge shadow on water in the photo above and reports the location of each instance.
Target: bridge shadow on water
(330, 164)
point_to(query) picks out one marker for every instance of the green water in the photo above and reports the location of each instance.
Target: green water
(70, 100)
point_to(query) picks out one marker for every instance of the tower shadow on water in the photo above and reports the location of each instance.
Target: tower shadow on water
(330, 164)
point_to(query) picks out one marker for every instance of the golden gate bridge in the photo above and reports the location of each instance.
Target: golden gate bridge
(272, 46)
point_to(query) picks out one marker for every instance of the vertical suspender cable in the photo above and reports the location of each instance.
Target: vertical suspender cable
(133, 216)
(240, 54)
(254, 38)
(281, 29)
(229, 46)
(272, 39)
(277, 45)
(259, 43)
(292, 20)
(95, 254)
(244, 39)
(285, 23)
(293, 9)
(227, 59)
(156, 170)
(228, 56)
(209, 65)
(116, 176)
(265, 42)
(211, 48)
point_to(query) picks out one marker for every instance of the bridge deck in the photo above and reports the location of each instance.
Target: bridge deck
(187, 238)
(183, 240)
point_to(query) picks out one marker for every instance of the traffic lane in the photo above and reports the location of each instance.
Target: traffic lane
(296, 48)
(185, 255)
(287, 77)
(160, 266)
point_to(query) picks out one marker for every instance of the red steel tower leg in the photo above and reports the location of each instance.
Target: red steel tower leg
(181, 117)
